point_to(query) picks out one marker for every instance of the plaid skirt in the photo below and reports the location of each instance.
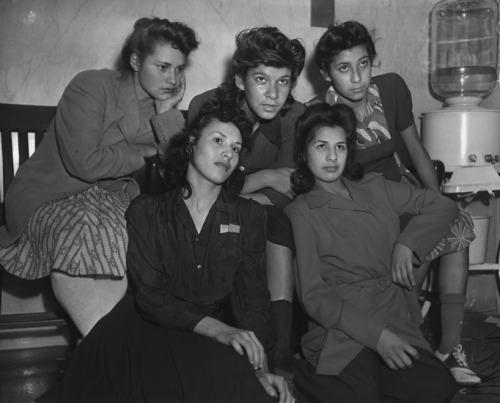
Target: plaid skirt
(82, 235)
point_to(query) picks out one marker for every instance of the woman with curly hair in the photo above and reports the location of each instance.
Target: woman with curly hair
(196, 327)
(265, 67)
(65, 208)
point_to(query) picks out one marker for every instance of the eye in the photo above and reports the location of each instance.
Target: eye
(321, 146)
(181, 69)
(284, 81)
(260, 79)
(341, 147)
(343, 68)
(236, 150)
(217, 140)
(364, 63)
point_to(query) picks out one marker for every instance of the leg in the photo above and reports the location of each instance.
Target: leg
(420, 273)
(279, 260)
(87, 299)
(359, 382)
(427, 381)
(453, 275)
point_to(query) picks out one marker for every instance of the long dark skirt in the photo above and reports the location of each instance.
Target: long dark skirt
(126, 359)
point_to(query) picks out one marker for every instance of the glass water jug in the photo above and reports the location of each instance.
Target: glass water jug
(464, 48)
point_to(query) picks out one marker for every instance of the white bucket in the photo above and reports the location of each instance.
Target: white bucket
(477, 249)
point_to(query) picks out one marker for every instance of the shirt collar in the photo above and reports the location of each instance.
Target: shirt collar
(318, 197)
(271, 129)
(224, 203)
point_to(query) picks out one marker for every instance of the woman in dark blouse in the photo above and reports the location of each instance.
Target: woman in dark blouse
(196, 326)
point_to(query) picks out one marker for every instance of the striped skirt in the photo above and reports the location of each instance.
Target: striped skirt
(81, 235)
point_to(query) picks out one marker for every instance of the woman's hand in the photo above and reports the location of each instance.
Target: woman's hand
(171, 102)
(243, 341)
(275, 386)
(402, 266)
(279, 180)
(395, 351)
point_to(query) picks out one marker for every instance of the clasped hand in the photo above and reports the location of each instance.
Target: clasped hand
(279, 180)
(395, 351)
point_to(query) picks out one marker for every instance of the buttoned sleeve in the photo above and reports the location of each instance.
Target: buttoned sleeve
(250, 297)
(166, 125)
(80, 133)
(320, 301)
(149, 276)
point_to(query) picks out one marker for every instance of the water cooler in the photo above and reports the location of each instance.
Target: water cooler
(462, 134)
(463, 70)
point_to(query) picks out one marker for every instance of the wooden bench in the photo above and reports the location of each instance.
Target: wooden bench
(22, 128)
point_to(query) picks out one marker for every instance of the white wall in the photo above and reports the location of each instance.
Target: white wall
(44, 43)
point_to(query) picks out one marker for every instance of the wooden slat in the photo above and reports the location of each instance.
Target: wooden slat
(30, 320)
(22, 119)
(26, 117)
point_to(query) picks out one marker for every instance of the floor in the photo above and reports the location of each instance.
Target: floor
(481, 341)
(27, 373)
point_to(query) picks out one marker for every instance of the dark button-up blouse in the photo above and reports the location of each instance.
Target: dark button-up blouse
(180, 276)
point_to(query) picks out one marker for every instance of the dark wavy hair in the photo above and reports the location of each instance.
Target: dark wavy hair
(175, 162)
(150, 32)
(338, 38)
(315, 117)
(266, 46)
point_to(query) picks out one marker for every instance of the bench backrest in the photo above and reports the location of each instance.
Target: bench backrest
(22, 128)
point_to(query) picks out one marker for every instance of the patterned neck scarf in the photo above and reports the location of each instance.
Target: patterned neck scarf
(372, 130)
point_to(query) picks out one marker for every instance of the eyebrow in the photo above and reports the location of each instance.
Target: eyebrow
(267, 75)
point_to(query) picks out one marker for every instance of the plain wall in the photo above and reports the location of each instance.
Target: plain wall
(44, 43)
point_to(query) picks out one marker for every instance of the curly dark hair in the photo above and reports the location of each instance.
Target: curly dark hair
(150, 32)
(315, 117)
(176, 160)
(266, 46)
(338, 38)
